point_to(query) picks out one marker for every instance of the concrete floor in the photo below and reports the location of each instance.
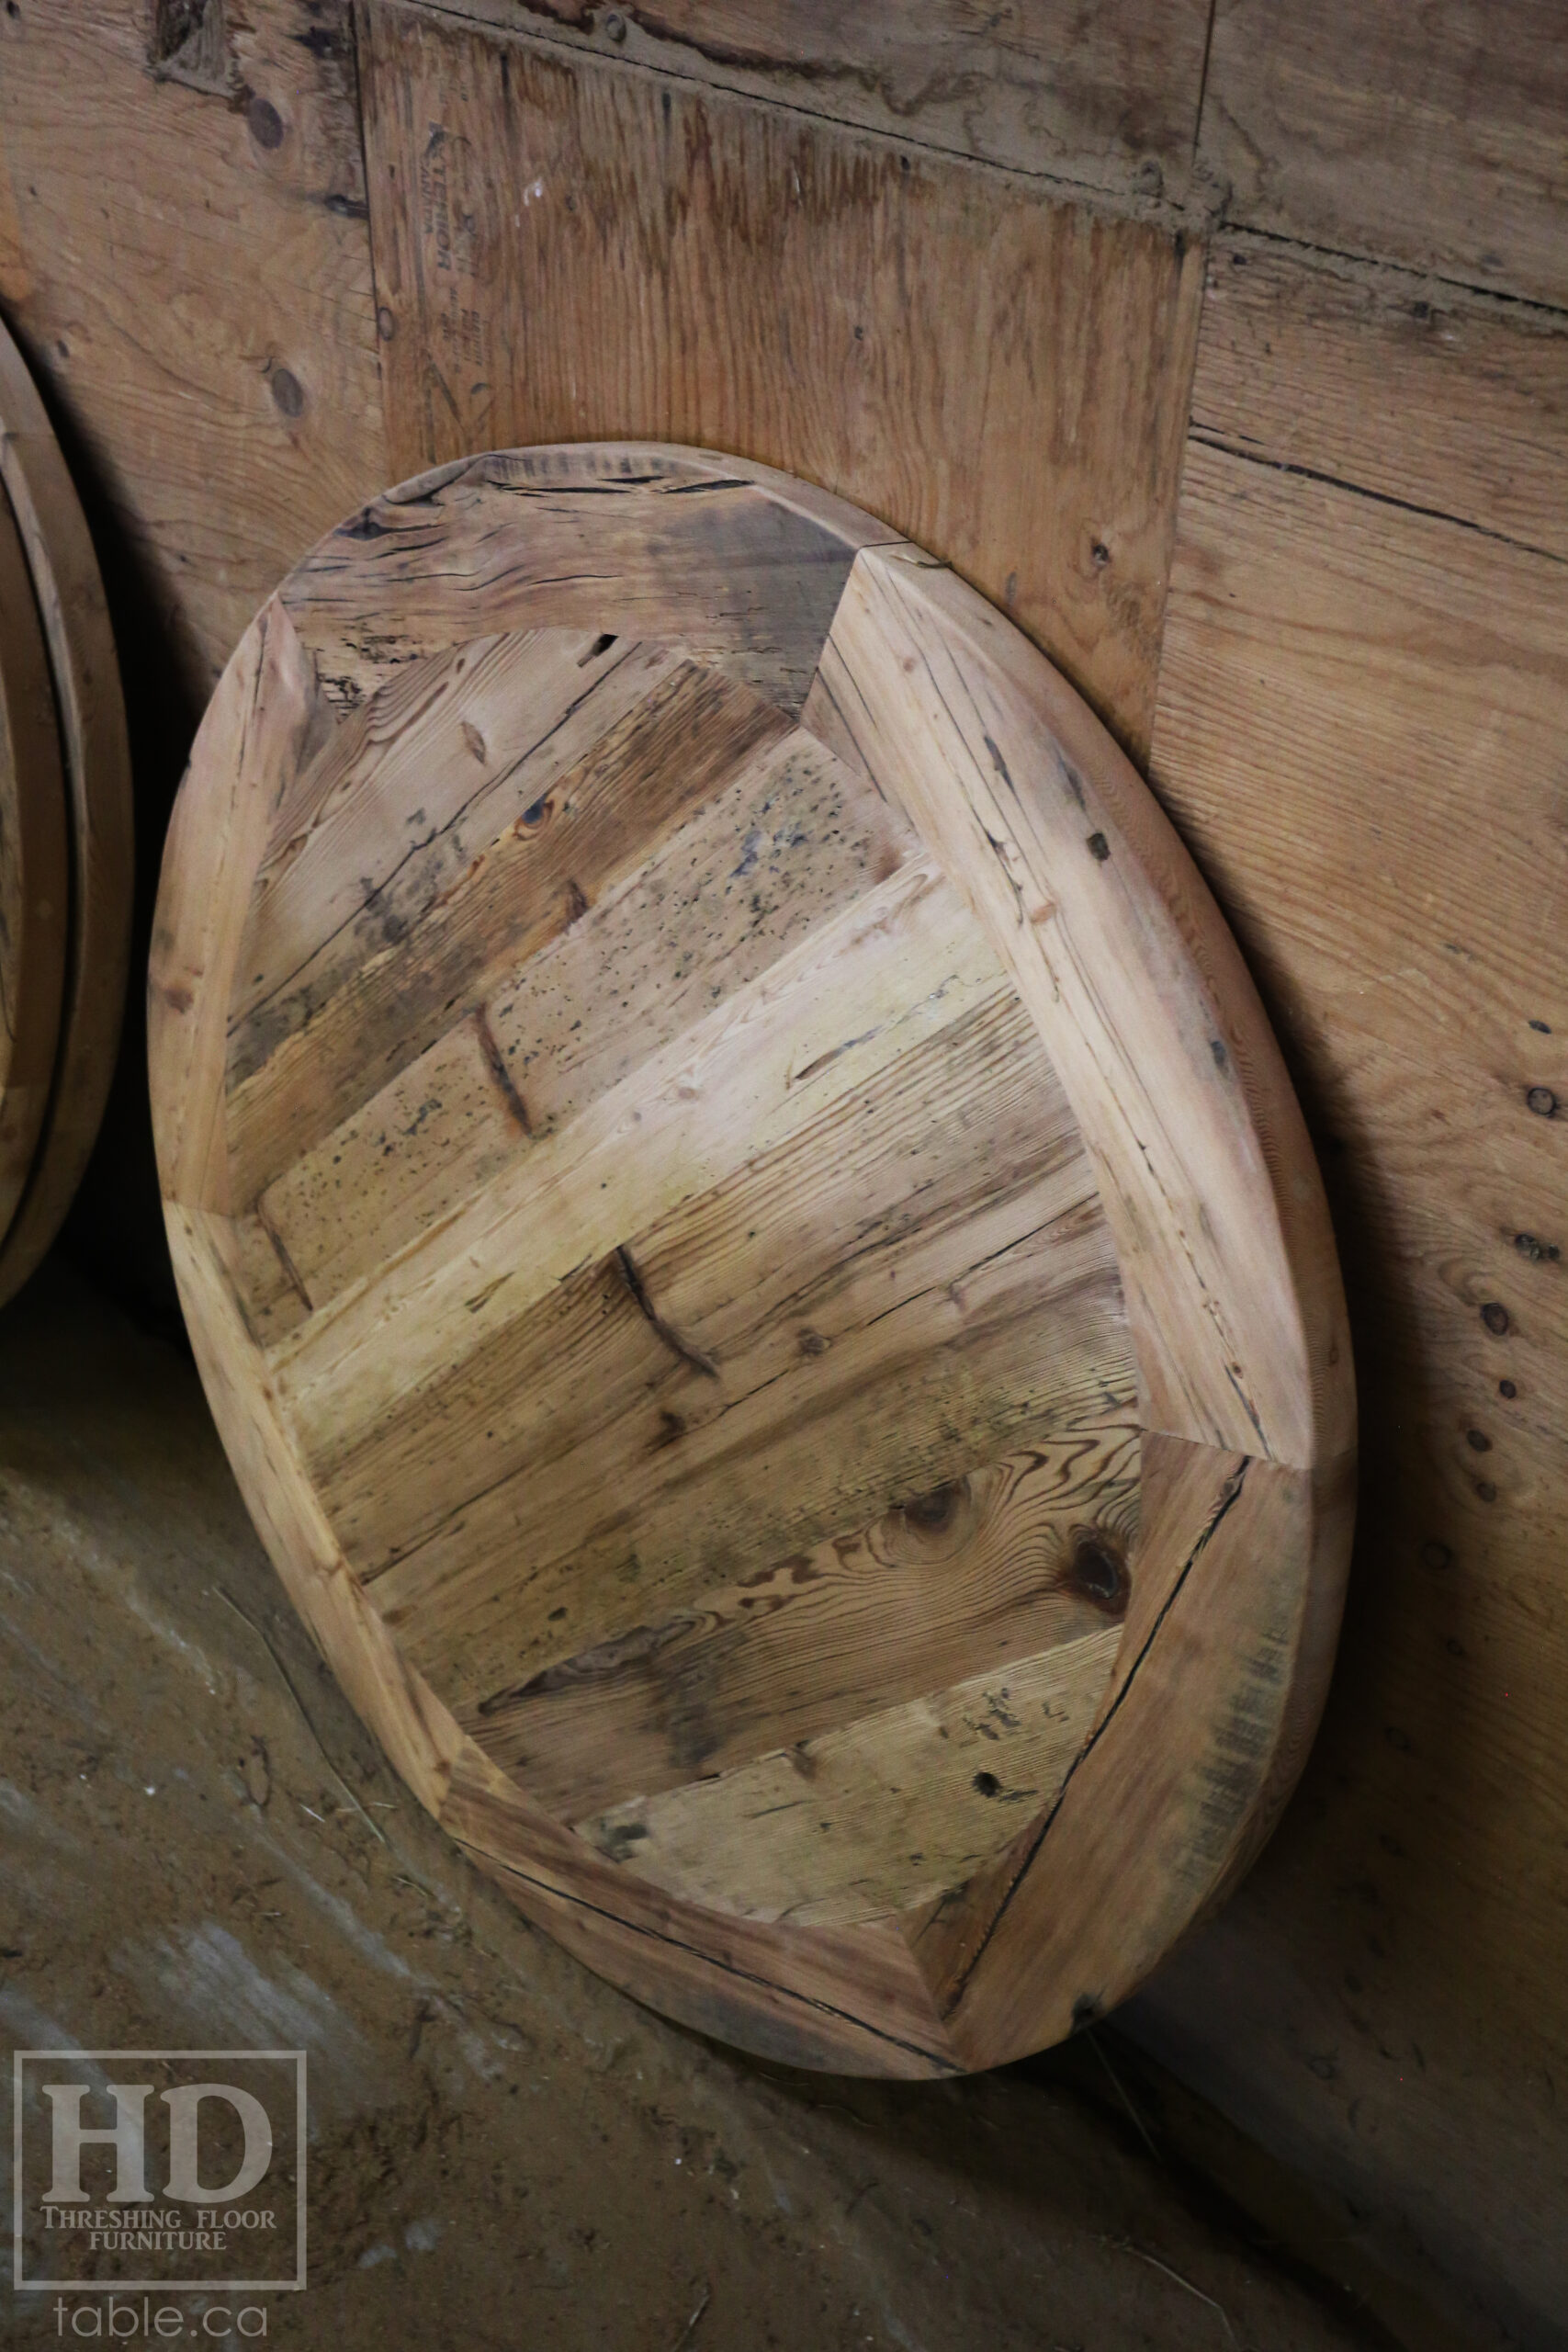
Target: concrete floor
(505, 2152)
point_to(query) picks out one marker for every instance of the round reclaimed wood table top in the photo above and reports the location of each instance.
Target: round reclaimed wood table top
(752, 1252)
(33, 887)
(91, 917)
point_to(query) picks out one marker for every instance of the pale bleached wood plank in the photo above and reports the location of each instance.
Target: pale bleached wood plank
(846, 1999)
(878, 1815)
(405, 792)
(1012, 1559)
(432, 1137)
(1137, 989)
(256, 726)
(794, 839)
(398, 975)
(899, 963)
(825, 1999)
(954, 1153)
(1026, 1347)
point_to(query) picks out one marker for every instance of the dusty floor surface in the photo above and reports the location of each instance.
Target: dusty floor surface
(506, 2153)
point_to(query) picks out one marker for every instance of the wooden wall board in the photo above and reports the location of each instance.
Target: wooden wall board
(1431, 136)
(34, 869)
(1107, 96)
(195, 274)
(96, 778)
(569, 248)
(1361, 715)
(607, 1391)
(1351, 373)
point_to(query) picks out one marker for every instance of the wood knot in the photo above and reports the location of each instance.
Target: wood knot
(934, 1513)
(1096, 1567)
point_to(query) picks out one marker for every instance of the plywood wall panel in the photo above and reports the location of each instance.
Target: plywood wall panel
(189, 263)
(1106, 95)
(1359, 731)
(1429, 135)
(566, 249)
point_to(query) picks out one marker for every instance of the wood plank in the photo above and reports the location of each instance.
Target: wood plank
(1002, 375)
(34, 889)
(1136, 988)
(1108, 98)
(1025, 1349)
(898, 965)
(257, 722)
(956, 1151)
(1449, 404)
(879, 1815)
(846, 1999)
(89, 719)
(461, 914)
(199, 291)
(1430, 136)
(825, 1998)
(447, 735)
(1361, 727)
(432, 1137)
(1014, 1559)
(1405, 681)
(316, 919)
(1186, 1815)
(794, 838)
(744, 568)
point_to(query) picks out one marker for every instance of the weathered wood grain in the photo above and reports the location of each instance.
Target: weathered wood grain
(426, 776)
(95, 906)
(847, 2000)
(825, 1999)
(1360, 733)
(745, 571)
(1420, 692)
(199, 287)
(1387, 384)
(444, 925)
(795, 837)
(963, 1141)
(1148, 1013)
(34, 889)
(1008, 1561)
(1026, 1351)
(568, 248)
(258, 724)
(1107, 96)
(1431, 136)
(1410, 676)
(898, 965)
(878, 1814)
(1227, 1539)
